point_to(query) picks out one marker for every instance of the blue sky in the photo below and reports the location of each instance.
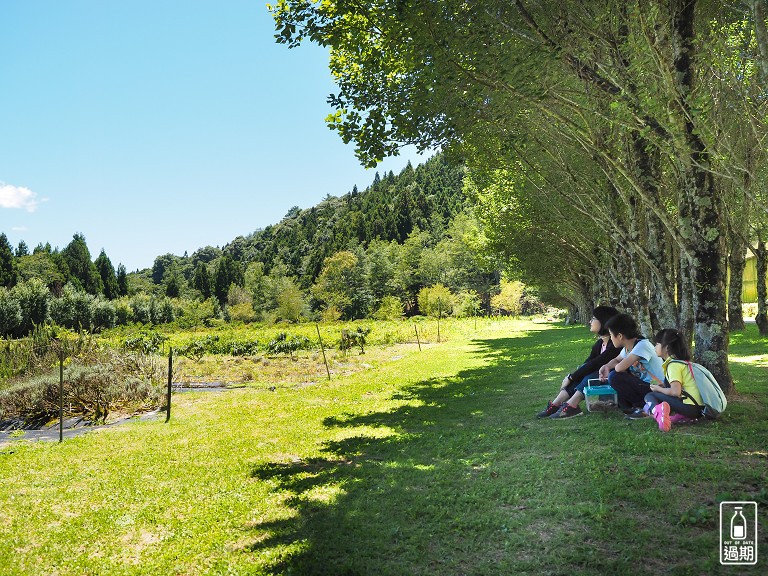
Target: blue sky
(164, 126)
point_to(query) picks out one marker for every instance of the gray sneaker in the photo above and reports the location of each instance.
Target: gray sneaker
(568, 411)
(637, 414)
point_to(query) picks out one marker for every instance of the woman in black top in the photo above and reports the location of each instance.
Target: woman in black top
(566, 403)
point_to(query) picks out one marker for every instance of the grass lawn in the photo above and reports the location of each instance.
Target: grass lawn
(429, 462)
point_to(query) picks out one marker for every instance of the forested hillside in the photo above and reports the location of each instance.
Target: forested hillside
(407, 244)
(426, 198)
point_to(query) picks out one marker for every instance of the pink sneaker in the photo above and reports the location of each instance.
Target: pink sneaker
(661, 414)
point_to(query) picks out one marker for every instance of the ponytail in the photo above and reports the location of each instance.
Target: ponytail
(675, 342)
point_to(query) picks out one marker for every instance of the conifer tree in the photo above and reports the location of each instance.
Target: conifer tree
(22, 249)
(202, 280)
(122, 281)
(228, 272)
(82, 272)
(7, 263)
(107, 275)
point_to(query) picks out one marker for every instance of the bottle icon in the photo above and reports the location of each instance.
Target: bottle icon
(738, 525)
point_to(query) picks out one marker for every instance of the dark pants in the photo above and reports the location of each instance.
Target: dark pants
(630, 389)
(676, 404)
(574, 387)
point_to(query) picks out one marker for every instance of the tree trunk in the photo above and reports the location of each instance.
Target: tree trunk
(761, 35)
(707, 247)
(662, 308)
(737, 263)
(761, 319)
(685, 292)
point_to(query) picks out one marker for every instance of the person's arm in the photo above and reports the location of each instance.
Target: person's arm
(606, 368)
(674, 373)
(675, 389)
(627, 362)
(594, 364)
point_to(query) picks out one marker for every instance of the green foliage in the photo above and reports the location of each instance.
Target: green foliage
(436, 301)
(103, 314)
(10, 313)
(34, 299)
(228, 272)
(194, 313)
(7, 263)
(44, 266)
(285, 344)
(146, 342)
(391, 308)
(108, 276)
(290, 302)
(122, 281)
(151, 310)
(510, 299)
(202, 280)
(123, 311)
(73, 309)
(215, 344)
(466, 304)
(82, 271)
(341, 285)
(352, 338)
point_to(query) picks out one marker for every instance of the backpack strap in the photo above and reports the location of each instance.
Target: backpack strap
(683, 393)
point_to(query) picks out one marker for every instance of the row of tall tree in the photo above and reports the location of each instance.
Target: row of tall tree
(57, 268)
(616, 148)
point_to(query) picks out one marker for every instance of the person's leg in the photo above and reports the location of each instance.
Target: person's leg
(630, 389)
(679, 407)
(656, 406)
(653, 399)
(578, 394)
(572, 409)
(554, 405)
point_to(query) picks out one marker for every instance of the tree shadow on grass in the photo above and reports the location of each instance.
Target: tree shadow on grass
(457, 480)
(409, 490)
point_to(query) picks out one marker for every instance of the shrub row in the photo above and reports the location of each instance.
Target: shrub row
(31, 304)
(91, 390)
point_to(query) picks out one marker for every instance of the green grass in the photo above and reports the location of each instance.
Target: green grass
(431, 463)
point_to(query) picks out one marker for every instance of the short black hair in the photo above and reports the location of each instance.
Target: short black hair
(624, 324)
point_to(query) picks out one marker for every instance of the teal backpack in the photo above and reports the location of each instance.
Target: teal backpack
(712, 395)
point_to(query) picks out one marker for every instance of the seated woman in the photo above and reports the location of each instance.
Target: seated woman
(679, 393)
(602, 352)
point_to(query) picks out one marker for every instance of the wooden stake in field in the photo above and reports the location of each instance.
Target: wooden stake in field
(61, 393)
(323, 349)
(416, 328)
(170, 380)
(439, 313)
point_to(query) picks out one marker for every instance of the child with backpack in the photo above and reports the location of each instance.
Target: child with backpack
(635, 368)
(679, 393)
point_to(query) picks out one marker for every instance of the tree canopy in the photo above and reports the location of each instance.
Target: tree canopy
(606, 136)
